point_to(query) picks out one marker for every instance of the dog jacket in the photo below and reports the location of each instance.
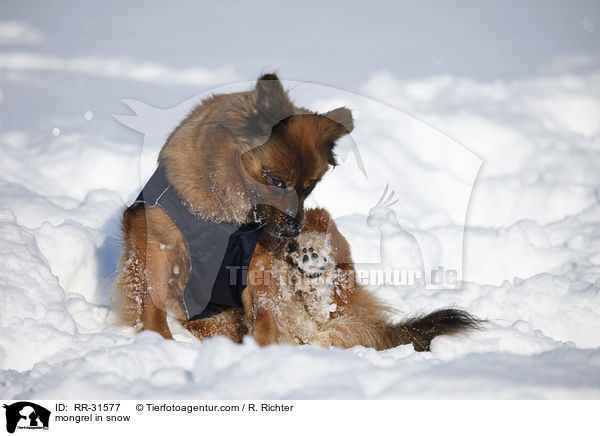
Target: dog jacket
(219, 253)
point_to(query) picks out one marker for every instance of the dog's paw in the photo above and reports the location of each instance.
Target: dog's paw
(310, 262)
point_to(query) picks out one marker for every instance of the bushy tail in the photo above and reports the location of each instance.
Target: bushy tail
(420, 331)
(359, 328)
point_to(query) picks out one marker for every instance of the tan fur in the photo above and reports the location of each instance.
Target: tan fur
(219, 159)
(228, 161)
(291, 314)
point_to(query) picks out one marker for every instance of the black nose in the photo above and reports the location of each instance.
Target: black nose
(290, 228)
(289, 232)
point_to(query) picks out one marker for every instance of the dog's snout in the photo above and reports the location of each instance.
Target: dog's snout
(290, 227)
(290, 231)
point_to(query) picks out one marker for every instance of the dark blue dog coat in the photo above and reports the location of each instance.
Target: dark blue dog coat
(220, 253)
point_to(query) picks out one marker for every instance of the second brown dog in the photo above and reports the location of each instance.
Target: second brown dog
(304, 291)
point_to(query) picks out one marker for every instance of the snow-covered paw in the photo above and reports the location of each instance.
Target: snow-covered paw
(310, 262)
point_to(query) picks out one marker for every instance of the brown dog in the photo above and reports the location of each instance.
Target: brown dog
(241, 159)
(247, 161)
(306, 293)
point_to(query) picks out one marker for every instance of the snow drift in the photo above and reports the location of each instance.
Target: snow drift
(530, 264)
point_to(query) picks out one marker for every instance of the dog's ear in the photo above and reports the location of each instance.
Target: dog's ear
(270, 95)
(271, 105)
(339, 123)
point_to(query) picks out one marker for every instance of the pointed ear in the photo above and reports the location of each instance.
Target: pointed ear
(340, 123)
(271, 104)
(270, 93)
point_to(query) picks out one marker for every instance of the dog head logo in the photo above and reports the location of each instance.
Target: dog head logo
(26, 415)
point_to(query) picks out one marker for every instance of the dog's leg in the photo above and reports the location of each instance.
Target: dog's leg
(230, 323)
(146, 265)
(265, 327)
(142, 305)
(247, 302)
(259, 315)
(154, 302)
(259, 298)
(130, 285)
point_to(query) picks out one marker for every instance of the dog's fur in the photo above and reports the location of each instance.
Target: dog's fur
(225, 160)
(306, 293)
(254, 157)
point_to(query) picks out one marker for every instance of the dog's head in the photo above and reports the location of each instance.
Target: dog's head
(296, 149)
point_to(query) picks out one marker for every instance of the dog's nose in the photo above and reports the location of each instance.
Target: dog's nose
(290, 231)
(290, 228)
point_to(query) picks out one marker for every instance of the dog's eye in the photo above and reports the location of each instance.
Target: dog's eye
(275, 181)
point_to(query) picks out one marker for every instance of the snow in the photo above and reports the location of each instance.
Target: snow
(497, 177)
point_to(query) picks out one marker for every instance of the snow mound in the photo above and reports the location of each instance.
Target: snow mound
(531, 263)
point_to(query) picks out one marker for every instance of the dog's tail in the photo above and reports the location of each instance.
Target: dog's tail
(420, 331)
(360, 328)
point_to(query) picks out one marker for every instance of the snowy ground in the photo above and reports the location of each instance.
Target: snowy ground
(530, 262)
